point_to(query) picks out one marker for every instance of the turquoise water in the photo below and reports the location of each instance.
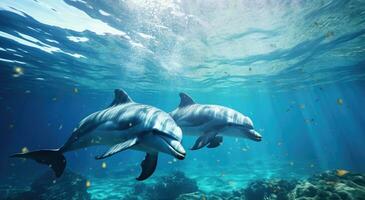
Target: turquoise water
(296, 68)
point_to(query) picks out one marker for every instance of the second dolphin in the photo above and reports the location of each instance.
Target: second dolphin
(210, 121)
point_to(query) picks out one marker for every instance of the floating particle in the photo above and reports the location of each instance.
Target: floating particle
(244, 149)
(88, 184)
(174, 160)
(11, 126)
(249, 69)
(60, 127)
(301, 106)
(18, 71)
(339, 101)
(311, 165)
(25, 150)
(291, 163)
(54, 181)
(54, 99)
(236, 139)
(130, 124)
(103, 165)
(279, 143)
(76, 90)
(170, 162)
(329, 34)
(231, 183)
(27, 92)
(341, 172)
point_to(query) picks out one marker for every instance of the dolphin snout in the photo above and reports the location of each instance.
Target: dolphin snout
(173, 147)
(255, 136)
(178, 149)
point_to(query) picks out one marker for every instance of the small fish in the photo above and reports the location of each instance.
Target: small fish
(103, 165)
(88, 183)
(341, 172)
(25, 150)
(18, 71)
(339, 101)
(60, 127)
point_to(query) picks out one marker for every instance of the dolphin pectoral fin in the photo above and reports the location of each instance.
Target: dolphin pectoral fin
(203, 140)
(215, 142)
(148, 166)
(118, 148)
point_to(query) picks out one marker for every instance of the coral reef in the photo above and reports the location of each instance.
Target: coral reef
(68, 186)
(329, 185)
(166, 188)
(269, 189)
(332, 186)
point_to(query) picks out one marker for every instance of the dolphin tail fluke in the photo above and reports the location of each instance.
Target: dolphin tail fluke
(53, 158)
(148, 166)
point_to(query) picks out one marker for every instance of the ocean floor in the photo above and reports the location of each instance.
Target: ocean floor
(336, 184)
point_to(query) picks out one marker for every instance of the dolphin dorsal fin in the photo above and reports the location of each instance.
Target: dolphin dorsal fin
(185, 100)
(120, 97)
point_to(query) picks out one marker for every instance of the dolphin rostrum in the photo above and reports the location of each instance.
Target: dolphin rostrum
(210, 121)
(123, 125)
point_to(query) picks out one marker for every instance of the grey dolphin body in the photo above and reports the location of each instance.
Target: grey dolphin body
(123, 125)
(210, 121)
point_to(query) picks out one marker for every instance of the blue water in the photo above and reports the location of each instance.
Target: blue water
(296, 68)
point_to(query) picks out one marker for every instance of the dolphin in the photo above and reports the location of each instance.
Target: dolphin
(209, 122)
(121, 126)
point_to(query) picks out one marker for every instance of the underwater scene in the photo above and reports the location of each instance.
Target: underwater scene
(185, 100)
